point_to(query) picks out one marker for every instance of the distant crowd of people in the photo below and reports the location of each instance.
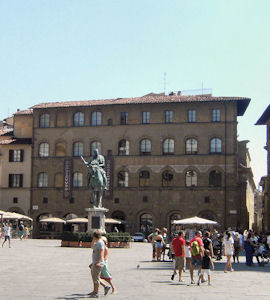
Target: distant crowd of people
(200, 250)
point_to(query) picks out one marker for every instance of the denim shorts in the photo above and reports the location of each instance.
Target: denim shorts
(196, 261)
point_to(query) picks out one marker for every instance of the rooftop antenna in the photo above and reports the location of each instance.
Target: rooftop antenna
(164, 82)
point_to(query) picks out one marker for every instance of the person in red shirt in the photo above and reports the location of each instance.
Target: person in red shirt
(178, 247)
(196, 254)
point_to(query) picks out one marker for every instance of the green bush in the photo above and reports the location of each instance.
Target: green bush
(118, 237)
(76, 236)
(87, 237)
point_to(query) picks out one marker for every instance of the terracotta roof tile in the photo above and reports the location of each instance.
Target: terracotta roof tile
(6, 132)
(14, 141)
(24, 112)
(151, 99)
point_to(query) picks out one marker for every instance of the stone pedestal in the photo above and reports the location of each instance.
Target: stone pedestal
(96, 219)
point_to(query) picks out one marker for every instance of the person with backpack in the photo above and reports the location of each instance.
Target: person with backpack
(197, 251)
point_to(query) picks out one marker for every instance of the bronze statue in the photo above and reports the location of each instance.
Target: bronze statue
(96, 178)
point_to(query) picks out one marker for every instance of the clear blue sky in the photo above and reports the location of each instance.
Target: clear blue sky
(85, 49)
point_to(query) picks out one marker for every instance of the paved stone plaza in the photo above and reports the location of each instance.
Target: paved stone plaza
(41, 269)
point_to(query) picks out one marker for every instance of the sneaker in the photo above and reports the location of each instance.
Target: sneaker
(181, 280)
(94, 296)
(203, 280)
(198, 283)
(172, 277)
(209, 283)
(106, 290)
(192, 282)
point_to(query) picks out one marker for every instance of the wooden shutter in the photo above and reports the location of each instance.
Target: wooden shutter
(21, 180)
(11, 155)
(10, 180)
(22, 155)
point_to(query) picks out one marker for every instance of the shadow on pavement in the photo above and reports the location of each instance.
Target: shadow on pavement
(75, 297)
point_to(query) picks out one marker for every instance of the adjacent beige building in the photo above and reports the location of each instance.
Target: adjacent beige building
(167, 157)
(15, 163)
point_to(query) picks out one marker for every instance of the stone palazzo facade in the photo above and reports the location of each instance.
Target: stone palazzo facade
(167, 157)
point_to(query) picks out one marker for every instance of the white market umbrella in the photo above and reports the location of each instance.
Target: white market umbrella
(52, 220)
(9, 216)
(112, 221)
(78, 220)
(194, 220)
(21, 217)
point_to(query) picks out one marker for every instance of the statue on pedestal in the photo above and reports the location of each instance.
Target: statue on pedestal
(96, 178)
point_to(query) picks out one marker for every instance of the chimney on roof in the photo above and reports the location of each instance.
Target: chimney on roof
(179, 93)
(171, 94)
(18, 109)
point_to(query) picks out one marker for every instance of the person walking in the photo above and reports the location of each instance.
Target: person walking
(7, 233)
(228, 250)
(150, 238)
(248, 245)
(188, 256)
(97, 262)
(207, 243)
(197, 251)
(105, 273)
(158, 239)
(21, 230)
(206, 263)
(164, 235)
(178, 247)
(236, 246)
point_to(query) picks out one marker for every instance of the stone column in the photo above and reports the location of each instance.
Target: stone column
(96, 219)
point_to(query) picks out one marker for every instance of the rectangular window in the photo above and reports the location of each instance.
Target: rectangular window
(191, 116)
(16, 155)
(15, 180)
(168, 116)
(124, 118)
(146, 117)
(216, 115)
(45, 200)
(15, 200)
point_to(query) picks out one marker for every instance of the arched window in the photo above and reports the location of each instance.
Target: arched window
(78, 149)
(44, 121)
(215, 145)
(215, 178)
(42, 179)
(95, 145)
(96, 118)
(43, 150)
(191, 146)
(144, 178)
(191, 178)
(123, 147)
(123, 179)
(58, 180)
(168, 146)
(167, 178)
(78, 119)
(77, 179)
(146, 224)
(145, 147)
(60, 149)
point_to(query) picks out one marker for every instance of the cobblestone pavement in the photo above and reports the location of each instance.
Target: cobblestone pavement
(41, 269)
